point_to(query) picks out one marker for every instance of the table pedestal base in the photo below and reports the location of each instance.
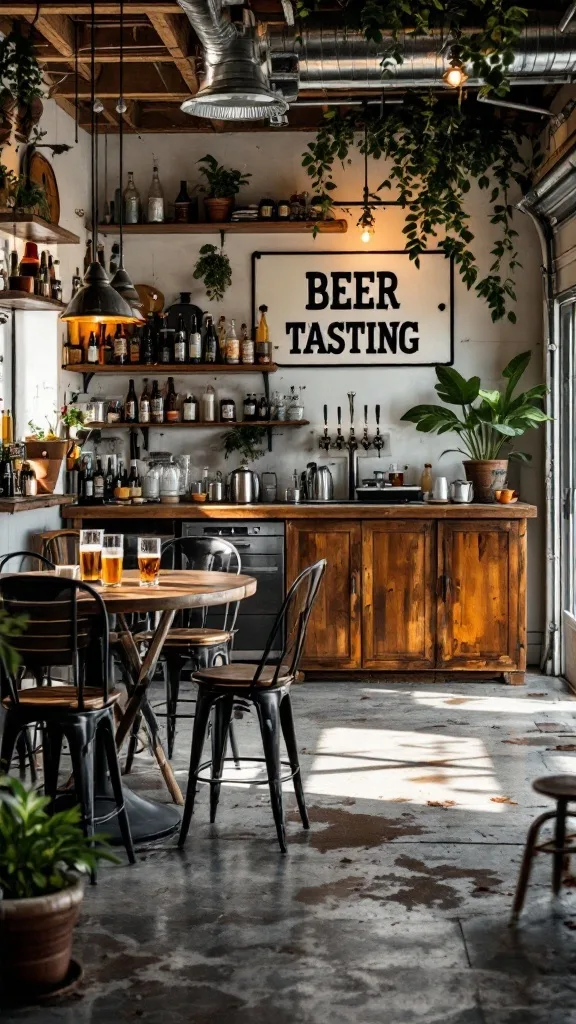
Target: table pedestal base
(149, 820)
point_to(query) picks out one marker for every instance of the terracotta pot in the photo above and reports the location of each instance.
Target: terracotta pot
(45, 458)
(36, 940)
(487, 475)
(218, 210)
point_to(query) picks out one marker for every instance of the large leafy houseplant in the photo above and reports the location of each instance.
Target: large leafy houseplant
(21, 80)
(213, 268)
(221, 182)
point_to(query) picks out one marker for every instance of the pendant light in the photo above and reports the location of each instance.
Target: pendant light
(122, 282)
(96, 300)
(366, 221)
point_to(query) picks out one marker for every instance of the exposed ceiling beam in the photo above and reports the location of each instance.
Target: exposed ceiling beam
(58, 30)
(103, 8)
(152, 55)
(140, 83)
(174, 33)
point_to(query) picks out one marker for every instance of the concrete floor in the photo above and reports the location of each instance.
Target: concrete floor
(392, 910)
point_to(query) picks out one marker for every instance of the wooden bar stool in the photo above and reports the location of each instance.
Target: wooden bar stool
(562, 789)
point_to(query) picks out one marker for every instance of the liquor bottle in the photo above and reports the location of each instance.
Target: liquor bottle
(124, 477)
(222, 332)
(147, 346)
(100, 254)
(190, 409)
(232, 344)
(131, 200)
(246, 346)
(51, 270)
(180, 341)
(131, 405)
(194, 342)
(118, 477)
(109, 481)
(171, 411)
(6, 475)
(76, 282)
(7, 427)
(426, 481)
(263, 409)
(156, 404)
(134, 347)
(108, 350)
(3, 273)
(120, 346)
(40, 278)
(262, 346)
(155, 199)
(134, 480)
(98, 482)
(144, 408)
(13, 273)
(114, 264)
(165, 346)
(210, 342)
(81, 481)
(249, 408)
(87, 254)
(44, 287)
(88, 481)
(182, 205)
(92, 352)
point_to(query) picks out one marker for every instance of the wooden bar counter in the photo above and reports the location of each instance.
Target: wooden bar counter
(427, 591)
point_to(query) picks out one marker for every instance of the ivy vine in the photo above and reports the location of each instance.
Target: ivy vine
(434, 149)
(488, 49)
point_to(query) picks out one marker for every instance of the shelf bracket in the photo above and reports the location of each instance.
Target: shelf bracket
(145, 437)
(86, 378)
(222, 238)
(266, 383)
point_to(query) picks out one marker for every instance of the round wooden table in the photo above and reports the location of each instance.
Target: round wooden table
(177, 590)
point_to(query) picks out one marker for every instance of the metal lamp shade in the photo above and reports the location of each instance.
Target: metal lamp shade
(122, 283)
(235, 89)
(98, 301)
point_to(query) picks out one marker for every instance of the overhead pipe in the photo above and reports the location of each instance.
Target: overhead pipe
(525, 107)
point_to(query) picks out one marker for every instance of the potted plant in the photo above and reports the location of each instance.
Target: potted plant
(7, 184)
(29, 197)
(45, 451)
(488, 423)
(222, 184)
(21, 77)
(213, 268)
(42, 857)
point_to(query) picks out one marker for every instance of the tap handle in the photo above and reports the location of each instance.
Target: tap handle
(377, 415)
(339, 415)
(365, 415)
(325, 415)
(351, 397)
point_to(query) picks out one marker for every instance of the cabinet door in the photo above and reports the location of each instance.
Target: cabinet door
(333, 638)
(398, 594)
(482, 594)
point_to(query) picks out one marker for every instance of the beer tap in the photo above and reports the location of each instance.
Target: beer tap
(324, 442)
(339, 443)
(352, 442)
(378, 443)
(366, 442)
(352, 446)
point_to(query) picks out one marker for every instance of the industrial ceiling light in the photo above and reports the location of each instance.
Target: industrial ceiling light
(366, 222)
(455, 76)
(96, 300)
(121, 282)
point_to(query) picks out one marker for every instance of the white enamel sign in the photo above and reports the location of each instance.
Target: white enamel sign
(356, 308)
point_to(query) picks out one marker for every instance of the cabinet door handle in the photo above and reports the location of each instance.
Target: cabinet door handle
(353, 583)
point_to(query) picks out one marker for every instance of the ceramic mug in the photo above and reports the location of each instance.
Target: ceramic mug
(505, 496)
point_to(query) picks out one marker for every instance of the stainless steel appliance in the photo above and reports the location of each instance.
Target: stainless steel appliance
(386, 495)
(461, 492)
(244, 486)
(318, 483)
(261, 549)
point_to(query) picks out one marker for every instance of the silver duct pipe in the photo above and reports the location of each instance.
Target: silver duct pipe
(236, 87)
(335, 58)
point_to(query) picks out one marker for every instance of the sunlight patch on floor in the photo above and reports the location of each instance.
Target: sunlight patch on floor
(411, 767)
(492, 704)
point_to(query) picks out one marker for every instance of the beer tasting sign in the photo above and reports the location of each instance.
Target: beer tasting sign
(356, 308)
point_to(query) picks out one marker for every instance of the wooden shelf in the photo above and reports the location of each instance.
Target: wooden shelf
(24, 300)
(35, 229)
(183, 423)
(275, 227)
(174, 369)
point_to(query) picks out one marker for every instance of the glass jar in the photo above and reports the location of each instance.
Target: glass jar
(263, 352)
(227, 410)
(151, 482)
(208, 405)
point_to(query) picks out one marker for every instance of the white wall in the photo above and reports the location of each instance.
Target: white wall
(480, 346)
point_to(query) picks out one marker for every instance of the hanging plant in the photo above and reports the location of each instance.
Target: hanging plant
(213, 268)
(245, 441)
(487, 47)
(20, 72)
(434, 150)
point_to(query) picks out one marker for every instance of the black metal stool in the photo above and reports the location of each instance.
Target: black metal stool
(561, 788)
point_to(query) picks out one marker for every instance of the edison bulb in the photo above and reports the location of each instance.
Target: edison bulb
(455, 76)
(365, 236)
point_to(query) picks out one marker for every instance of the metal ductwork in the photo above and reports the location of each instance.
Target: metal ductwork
(236, 86)
(340, 59)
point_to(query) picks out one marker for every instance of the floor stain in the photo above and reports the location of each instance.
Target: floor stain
(440, 778)
(346, 830)
(341, 889)
(429, 885)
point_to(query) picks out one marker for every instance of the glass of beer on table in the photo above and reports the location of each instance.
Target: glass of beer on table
(90, 555)
(149, 552)
(112, 559)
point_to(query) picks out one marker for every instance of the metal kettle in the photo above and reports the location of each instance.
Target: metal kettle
(244, 486)
(318, 483)
(461, 492)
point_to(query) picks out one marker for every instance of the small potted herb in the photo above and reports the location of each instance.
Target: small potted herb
(213, 268)
(42, 859)
(222, 184)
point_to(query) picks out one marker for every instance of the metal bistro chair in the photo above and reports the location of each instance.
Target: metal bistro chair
(63, 630)
(61, 546)
(191, 643)
(267, 687)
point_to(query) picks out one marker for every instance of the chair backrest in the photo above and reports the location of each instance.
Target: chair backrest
(66, 624)
(208, 554)
(61, 546)
(292, 623)
(23, 555)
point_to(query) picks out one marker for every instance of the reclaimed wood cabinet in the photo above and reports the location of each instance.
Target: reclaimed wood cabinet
(416, 594)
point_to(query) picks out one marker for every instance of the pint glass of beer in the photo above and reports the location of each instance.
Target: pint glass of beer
(112, 559)
(90, 555)
(149, 561)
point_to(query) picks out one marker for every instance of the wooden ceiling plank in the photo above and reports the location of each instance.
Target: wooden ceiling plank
(174, 33)
(58, 30)
(104, 8)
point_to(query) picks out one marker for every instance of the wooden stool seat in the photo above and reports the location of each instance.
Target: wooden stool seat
(182, 637)
(241, 674)
(559, 787)
(63, 696)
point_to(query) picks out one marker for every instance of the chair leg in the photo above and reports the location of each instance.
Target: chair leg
(267, 706)
(234, 745)
(560, 839)
(52, 748)
(287, 722)
(173, 670)
(220, 730)
(107, 737)
(132, 743)
(25, 751)
(527, 864)
(204, 703)
(12, 730)
(80, 736)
